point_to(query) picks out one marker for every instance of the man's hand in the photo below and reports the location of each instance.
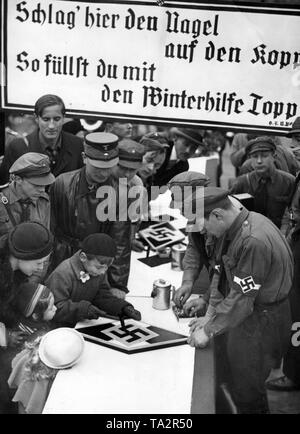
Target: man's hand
(137, 246)
(93, 312)
(131, 312)
(198, 339)
(198, 323)
(182, 294)
(15, 338)
(195, 306)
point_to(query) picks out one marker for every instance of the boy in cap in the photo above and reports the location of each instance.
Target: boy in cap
(80, 285)
(25, 198)
(248, 301)
(130, 161)
(271, 188)
(75, 200)
(63, 149)
(184, 143)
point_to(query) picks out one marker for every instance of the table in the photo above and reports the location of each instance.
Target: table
(174, 380)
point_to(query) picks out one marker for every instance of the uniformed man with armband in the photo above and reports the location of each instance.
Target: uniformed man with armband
(249, 296)
(199, 249)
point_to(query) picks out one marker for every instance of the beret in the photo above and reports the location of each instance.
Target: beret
(99, 245)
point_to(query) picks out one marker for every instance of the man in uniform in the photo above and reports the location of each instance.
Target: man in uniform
(271, 188)
(76, 199)
(249, 295)
(24, 198)
(199, 249)
(125, 173)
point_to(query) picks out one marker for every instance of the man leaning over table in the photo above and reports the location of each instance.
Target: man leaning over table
(249, 296)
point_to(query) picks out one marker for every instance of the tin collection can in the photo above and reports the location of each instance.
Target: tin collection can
(161, 294)
(177, 255)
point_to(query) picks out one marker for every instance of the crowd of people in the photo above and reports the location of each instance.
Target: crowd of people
(65, 249)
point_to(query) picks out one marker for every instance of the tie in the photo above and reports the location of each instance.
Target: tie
(25, 214)
(261, 197)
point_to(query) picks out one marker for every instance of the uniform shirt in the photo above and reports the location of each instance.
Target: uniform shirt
(74, 294)
(279, 188)
(258, 267)
(38, 211)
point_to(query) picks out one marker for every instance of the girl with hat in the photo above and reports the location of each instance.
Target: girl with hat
(34, 369)
(23, 252)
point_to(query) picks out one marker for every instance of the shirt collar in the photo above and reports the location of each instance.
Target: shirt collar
(13, 197)
(45, 145)
(271, 176)
(237, 223)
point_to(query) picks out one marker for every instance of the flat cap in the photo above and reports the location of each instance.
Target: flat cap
(189, 178)
(34, 167)
(191, 134)
(131, 154)
(101, 149)
(204, 201)
(263, 143)
(184, 184)
(154, 142)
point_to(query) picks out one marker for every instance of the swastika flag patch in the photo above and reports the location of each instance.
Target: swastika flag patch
(247, 284)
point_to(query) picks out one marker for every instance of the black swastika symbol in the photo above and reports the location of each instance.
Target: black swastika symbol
(132, 335)
(248, 284)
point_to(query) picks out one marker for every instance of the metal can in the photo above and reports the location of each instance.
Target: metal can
(161, 294)
(177, 255)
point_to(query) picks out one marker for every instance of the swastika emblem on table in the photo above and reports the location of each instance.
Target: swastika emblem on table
(247, 284)
(132, 335)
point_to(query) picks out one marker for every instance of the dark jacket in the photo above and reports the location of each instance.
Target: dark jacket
(74, 296)
(169, 168)
(279, 189)
(73, 217)
(69, 156)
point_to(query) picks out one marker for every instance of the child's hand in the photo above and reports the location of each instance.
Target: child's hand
(15, 338)
(131, 312)
(93, 312)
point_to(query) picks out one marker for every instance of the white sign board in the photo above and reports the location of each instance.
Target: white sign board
(229, 66)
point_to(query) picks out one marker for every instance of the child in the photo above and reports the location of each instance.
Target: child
(80, 286)
(36, 305)
(35, 368)
(23, 252)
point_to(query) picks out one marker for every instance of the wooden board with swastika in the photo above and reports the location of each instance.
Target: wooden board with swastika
(138, 336)
(161, 235)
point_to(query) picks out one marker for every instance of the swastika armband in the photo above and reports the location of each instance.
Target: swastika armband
(247, 285)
